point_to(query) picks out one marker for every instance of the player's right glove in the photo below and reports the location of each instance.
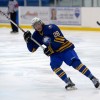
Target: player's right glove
(27, 36)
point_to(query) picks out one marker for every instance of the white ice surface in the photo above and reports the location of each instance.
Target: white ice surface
(28, 76)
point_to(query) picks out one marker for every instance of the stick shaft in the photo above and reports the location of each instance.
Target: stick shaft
(98, 22)
(21, 29)
(12, 21)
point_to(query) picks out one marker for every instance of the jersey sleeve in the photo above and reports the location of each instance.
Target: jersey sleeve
(31, 45)
(59, 42)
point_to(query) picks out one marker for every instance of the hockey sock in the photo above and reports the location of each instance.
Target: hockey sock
(61, 74)
(82, 68)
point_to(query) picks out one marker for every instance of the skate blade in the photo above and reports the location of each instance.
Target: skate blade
(71, 88)
(99, 86)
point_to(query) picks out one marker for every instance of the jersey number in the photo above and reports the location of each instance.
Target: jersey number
(56, 34)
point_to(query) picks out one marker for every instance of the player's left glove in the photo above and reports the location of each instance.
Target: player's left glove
(48, 51)
(27, 36)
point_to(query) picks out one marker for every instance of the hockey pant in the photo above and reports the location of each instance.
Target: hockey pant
(70, 58)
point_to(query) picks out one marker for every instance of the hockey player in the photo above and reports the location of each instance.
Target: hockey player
(59, 49)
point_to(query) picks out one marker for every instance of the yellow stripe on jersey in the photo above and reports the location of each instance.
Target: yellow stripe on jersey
(59, 39)
(64, 46)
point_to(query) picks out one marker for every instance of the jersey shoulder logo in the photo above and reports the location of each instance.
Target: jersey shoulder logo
(50, 26)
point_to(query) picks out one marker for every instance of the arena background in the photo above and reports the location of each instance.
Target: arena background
(69, 14)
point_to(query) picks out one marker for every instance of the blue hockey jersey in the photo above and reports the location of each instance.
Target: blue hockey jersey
(58, 42)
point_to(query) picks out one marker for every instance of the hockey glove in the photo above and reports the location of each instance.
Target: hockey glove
(48, 51)
(27, 36)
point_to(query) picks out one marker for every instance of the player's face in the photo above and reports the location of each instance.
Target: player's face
(38, 26)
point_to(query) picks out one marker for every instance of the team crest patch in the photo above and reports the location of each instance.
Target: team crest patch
(46, 40)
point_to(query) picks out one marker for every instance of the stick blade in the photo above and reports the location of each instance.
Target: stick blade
(98, 22)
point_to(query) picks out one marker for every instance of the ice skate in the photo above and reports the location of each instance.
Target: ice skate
(95, 82)
(70, 85)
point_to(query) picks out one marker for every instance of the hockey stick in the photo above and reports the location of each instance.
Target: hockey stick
(98, 22)
(21, 29)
